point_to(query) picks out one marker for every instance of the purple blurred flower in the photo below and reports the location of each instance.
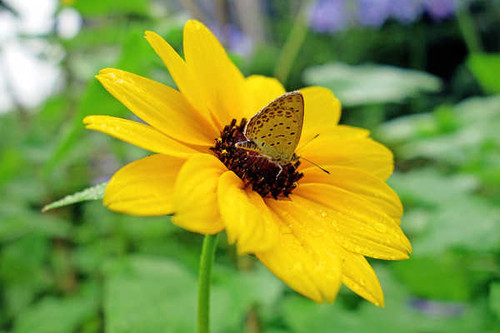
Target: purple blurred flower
(374, 13)
(329, 15)
(440, 9)
(437, 308)
(333, 15)
(239, 42)
(406, 11)
(233, 38)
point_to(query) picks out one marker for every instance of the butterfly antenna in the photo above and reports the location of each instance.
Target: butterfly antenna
(308, 142)
(316, 165)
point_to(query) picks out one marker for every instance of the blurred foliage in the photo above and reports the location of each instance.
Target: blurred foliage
(82, 268)
(486, 68)
(371, 84)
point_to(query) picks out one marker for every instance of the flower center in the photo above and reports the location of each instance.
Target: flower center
(256, 170)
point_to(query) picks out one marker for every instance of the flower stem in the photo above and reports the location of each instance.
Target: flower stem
(468, 30)
(293, 44)
(206, 261)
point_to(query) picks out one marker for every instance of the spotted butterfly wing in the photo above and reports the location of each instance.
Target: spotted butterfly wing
(275, 130)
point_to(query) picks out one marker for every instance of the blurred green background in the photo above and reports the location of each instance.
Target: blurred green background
(423, 75)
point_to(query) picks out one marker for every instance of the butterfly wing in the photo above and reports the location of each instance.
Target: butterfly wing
(276, 129)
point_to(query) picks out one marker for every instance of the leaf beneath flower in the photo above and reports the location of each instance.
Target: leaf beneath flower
(91, 193)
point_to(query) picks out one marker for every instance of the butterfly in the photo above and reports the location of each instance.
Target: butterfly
(275, 130)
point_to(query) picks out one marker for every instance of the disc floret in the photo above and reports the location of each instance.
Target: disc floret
(256, 170)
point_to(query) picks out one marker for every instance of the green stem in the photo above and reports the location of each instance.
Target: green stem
(418, 45)
(206, 261)
(293, 44)
(468, 30)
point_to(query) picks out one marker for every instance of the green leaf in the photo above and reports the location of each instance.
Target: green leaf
(401, 314)
(12, 161)
(137, 57)
(428, 187)
(450, 215)
(54, 315)
(23, 273)
(18, 221)
(486, 69)
(154, 294)
(109, 7)
(241, 291)
(465, 135)
(495, 298)
(477, 117)
(18, 268)
(92, 193)
(439, 277)
(371, 84)
(469, 223)
(148, 294)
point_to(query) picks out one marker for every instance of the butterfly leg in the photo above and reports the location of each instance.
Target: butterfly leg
(248, 145)
(279, 172)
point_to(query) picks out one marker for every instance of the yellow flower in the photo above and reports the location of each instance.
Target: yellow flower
(314, 239)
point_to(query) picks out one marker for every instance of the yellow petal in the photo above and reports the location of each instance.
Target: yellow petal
(259, 91)
(355, 152)
(138, 134)
(314, 251)
(220, 78)
(360, 226)
(247, 219)
(144, 187)
(342, 131)
(321, 109)
(291, 263)
(162, 107)
(195, 200)
(331, 132)
(359, 276)
(184, 78)
(361, 184)
(312, 233)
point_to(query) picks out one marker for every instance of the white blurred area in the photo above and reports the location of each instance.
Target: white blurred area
(29, 65)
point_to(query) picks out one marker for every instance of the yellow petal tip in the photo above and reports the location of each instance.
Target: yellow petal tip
(149, 33)
(106, 73)
(151, 36)
(194, 23)
(87, 120)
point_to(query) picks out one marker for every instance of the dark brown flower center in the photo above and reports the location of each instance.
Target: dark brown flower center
(264, 176)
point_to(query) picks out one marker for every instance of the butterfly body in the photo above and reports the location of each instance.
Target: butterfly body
(275, 130)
